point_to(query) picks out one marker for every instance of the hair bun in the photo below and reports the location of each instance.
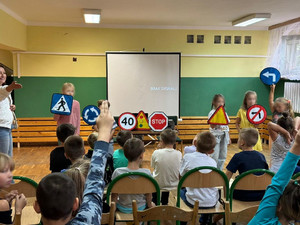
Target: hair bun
(285, 114)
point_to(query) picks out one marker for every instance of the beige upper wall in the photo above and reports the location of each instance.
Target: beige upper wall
(95, 40)
(13, 34)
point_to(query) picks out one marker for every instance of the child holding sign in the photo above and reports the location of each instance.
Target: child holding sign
(242, 121)
(74, 117)
(221, 133)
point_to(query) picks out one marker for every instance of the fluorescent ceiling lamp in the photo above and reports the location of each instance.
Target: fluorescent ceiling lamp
(251, 19)
(91, 15)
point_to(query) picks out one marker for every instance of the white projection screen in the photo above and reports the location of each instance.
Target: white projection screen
(143, 81)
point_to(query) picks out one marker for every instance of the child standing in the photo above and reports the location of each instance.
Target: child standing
(282, 137)
(280, 204)
(74, 117)
(246, 160)
(221, 133)
(134, 152)
(242, 121)
(166, 164)
(280, 105)
(7, 165)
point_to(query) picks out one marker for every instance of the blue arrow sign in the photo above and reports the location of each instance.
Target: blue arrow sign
(270, 75)
(61, 104)
(90, 114)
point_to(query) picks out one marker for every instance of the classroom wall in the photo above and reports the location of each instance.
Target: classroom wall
(13, 34)
(6, 58)
(206, 69)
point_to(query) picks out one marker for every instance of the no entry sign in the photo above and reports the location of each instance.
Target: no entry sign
(158, 121)
(256, 114)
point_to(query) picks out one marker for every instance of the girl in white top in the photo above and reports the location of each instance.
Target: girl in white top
(282, 135)
(6, 113)
(221, 133)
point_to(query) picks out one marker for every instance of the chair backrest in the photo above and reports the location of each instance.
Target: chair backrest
(133, 183)
(109, 218)
(296, 176)
(242, 216)
(25, 185)
(248, 181)
(165, 213)
(196, 179)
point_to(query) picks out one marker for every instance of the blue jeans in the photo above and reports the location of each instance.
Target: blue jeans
(204, 218)
(6, 144)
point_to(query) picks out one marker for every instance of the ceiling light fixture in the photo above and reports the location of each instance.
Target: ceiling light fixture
(91, 15)
(251, 19)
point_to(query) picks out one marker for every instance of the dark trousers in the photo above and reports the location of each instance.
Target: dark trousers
(164, 198)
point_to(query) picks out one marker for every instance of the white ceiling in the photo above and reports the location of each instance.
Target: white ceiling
(151, 13)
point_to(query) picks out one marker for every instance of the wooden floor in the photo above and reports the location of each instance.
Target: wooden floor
(33, 162)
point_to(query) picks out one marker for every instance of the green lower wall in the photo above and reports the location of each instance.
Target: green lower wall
(33, 100)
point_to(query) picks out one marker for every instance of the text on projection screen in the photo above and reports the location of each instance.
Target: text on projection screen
(148, 82)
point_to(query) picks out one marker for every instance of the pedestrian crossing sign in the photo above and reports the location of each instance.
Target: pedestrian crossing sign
(61, 104)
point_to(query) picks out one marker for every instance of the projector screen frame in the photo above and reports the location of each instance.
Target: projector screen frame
(149, 53)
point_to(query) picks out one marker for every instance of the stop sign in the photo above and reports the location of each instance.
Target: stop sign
(158, 121)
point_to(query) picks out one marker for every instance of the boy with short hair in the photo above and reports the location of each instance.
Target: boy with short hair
(91, 208)
(74, 148)
(92, 138)
(119, 158)
(58, 160)
(134, 152)
(166, 163)
(246, 160)
(207, 197)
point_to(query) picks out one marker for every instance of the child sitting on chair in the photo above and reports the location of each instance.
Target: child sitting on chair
(248, 159)
(119, 158)
(134, 152)
(207, 197)
(58, 208)
(58, 160)
(7, 165)
(166, 163)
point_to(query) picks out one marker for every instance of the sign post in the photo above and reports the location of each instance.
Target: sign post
(61, 104)
(90, 114)
(270, 75)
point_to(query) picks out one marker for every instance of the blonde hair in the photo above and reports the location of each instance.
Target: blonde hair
(249, 136)
(6, 161)
(78, 173)
(247, 94)
(287, 104)
(67, 85)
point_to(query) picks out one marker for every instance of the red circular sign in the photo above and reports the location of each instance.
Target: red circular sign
(127, 121)
(158, 121)
(256, 114)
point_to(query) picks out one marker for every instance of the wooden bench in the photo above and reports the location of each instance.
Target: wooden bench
(43, 130)
(190, 126)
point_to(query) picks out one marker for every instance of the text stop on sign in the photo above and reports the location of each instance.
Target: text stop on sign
(158, 121)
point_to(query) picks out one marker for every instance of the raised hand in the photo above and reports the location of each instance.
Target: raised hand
(104, 122)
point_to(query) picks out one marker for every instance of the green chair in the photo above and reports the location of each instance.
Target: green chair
(196, 179)
(248, 181)
(132, 183)
(296, 176)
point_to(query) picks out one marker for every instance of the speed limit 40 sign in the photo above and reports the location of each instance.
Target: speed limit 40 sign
(127, 121)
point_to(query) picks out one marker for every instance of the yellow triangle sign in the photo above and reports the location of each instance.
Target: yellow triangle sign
(219, 117)
(142, 122)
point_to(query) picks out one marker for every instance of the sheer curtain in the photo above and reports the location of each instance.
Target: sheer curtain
(284, 51)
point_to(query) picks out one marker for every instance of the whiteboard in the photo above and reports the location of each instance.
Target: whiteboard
(143, 81)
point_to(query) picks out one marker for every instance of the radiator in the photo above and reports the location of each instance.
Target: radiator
(292, 92)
